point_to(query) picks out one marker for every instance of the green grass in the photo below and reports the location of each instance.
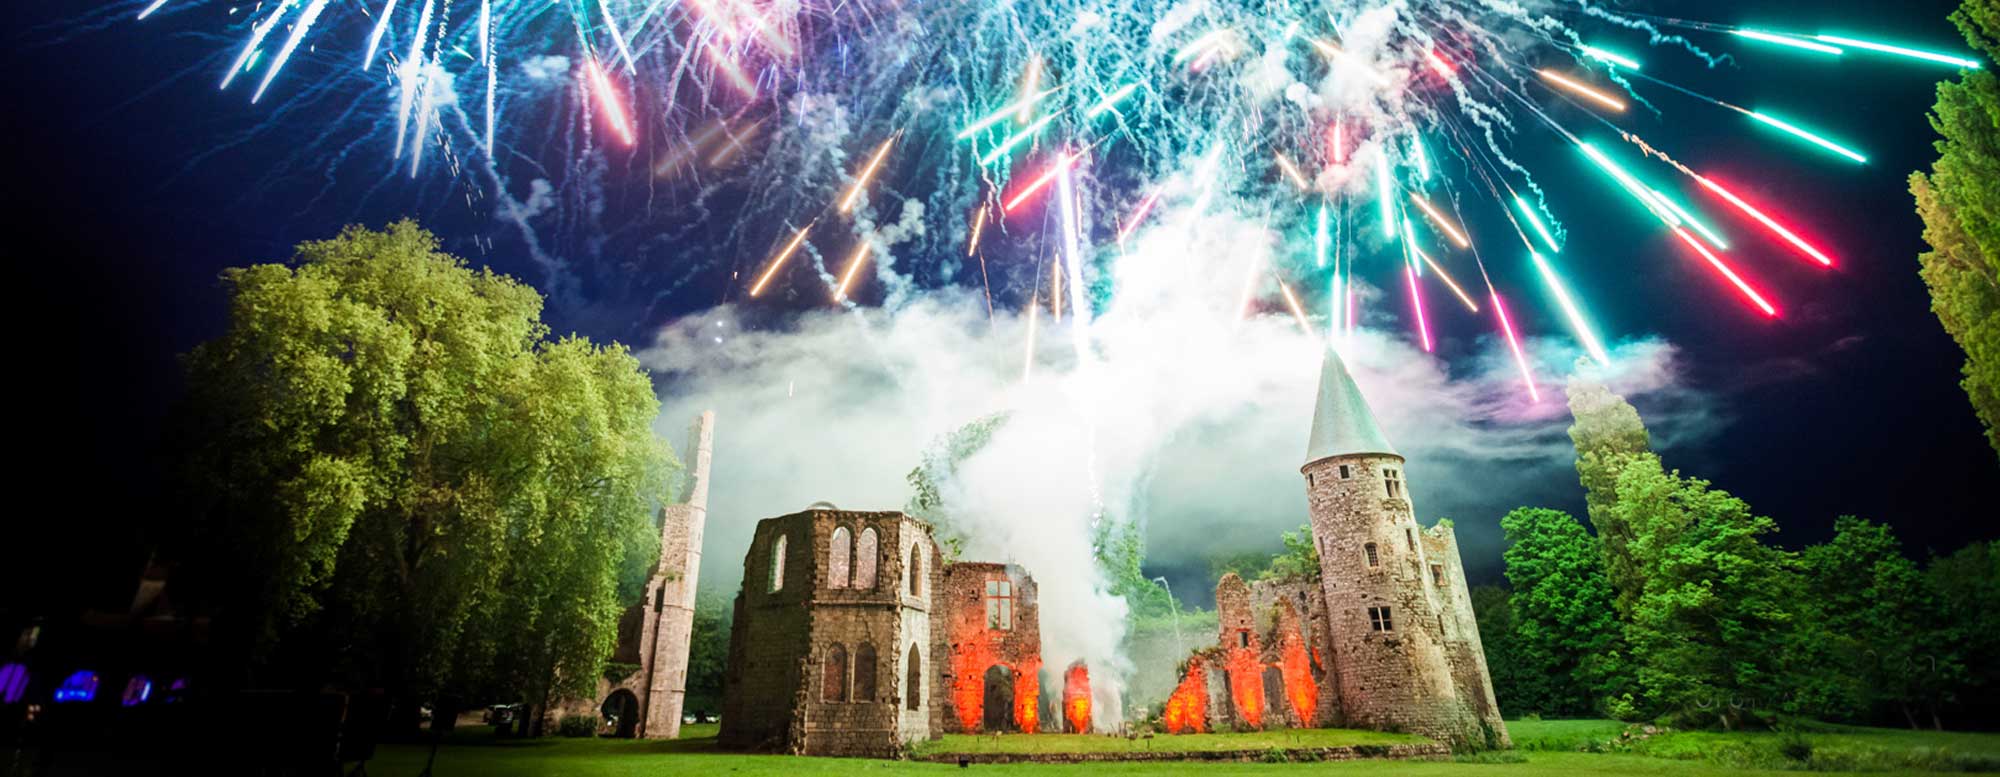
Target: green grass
(475, 753)
(1185, 743)
(1808, 746)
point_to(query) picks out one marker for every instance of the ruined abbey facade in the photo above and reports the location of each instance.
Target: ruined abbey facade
(1384, 638)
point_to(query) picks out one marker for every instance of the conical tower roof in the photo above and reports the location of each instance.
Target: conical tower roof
(1342, 423)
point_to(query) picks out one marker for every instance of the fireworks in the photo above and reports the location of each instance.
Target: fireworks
(1367, 109)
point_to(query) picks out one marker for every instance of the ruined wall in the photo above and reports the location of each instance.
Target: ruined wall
(1385, 615)
(821, 666)
(1308, 598)
(1461, 631)
(974, 645)
(669, 633)
(1240, 652)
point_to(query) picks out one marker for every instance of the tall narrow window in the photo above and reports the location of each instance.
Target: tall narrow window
(864, 673)
(915, 569)
(999, 605)
(835, 686)
(1411, 536)
(1374, 559)
(778, 564)
(1437, 574)
(913, 685)
(839, 558)
(1345, 473)
(1393, 480)
(865, 560)
(1378, 619)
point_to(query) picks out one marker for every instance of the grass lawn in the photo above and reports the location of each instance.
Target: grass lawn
(474, 753)
(1187, 743)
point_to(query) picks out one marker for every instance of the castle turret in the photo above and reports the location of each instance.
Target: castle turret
(1386, 610)
(671, 590)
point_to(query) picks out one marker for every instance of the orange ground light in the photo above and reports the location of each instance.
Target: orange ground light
(1187, 708)
(1076, 698)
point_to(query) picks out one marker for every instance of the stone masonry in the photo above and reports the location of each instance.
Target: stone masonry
(655, 634)
(836, 640)
(993, 643)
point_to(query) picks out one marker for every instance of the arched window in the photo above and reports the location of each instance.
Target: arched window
(835, 686)
(1374, 559)
(864, 673)
(839, 558)
(778, 564)
(913, 686)
(866, 558)
(916, 569)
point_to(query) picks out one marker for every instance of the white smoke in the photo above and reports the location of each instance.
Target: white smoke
(1186, 416)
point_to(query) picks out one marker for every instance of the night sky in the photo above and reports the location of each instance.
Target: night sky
(131, 182)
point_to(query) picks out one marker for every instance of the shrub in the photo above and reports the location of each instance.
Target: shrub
(577, 725)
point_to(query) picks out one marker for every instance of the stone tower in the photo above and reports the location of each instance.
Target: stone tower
(671, 590)
(1387, 602)
(835, 646)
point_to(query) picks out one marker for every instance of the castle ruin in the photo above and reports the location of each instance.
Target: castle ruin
(654, 636)
(1384, 638)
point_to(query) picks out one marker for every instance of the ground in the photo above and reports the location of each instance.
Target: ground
(1545, 747)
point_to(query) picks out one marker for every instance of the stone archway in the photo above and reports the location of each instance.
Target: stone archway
(621, 711)
(997, 699)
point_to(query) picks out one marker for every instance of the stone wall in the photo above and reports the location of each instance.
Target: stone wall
(1309, 600)
(803, 657)
(974, 645)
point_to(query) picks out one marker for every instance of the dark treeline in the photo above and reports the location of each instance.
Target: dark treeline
(1677, 605)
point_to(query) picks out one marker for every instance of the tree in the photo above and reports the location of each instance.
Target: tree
(1967, 585)
(1960, 206)
(708, 650)
(1516, 688)
(1608, 434)
(1712, 619)
(1300, 558)
(1567, 639)
(393, 466)
(1871, 606)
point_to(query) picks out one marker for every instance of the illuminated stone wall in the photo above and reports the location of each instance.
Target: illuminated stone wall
(976, 640)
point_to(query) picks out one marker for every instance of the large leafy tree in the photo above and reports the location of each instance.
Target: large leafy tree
(1960, 204)
(1967, 584)
(394, 465)
(1712, 620)
(1608, 435)
(1518, 689)
(1874, 613)
(1566, 638)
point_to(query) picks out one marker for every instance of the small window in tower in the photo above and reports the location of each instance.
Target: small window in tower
(1437, 574)
(1309, 480)
(1243, 638)
(778, 564)
(1411, 536)
(1374, 560)
(1345, 473)
(866, 556)
(1378, 619)
(1393, 480)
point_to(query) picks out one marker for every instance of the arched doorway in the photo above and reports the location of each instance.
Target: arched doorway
(621, 713)
(998, 699)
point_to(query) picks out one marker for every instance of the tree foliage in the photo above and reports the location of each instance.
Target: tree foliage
(396, 466)
(1608, 434)
(1875, 615)
(1566, 640)
(1960, 205)
(1967, 587)
(1712, 617)
(1300, 558)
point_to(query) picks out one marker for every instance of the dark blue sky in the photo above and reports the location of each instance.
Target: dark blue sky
(131, 182)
